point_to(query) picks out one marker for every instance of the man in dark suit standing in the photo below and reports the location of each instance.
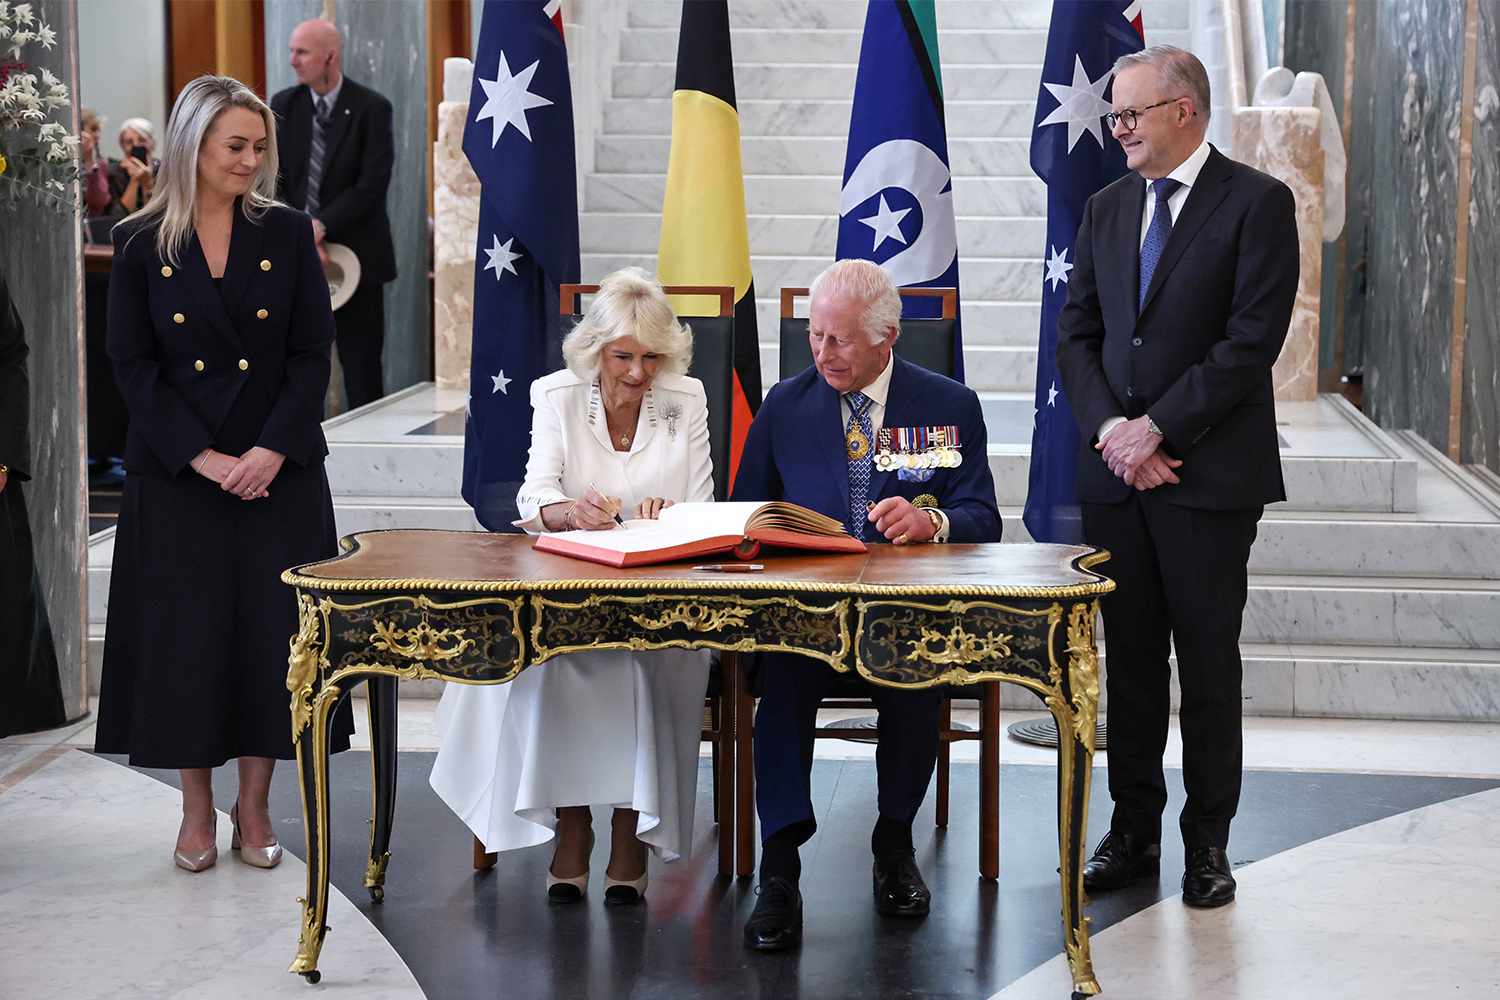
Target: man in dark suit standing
(333, 138)
(1184, 278)
(823, 439)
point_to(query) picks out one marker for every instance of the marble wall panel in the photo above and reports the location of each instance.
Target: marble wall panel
(1481, 398)
(385, 48)
(1417, 66)
(41, 256)
(455, 202)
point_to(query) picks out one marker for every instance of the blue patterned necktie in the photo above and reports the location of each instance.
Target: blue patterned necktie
(315, 156)
(857, 448)
(1156, 233)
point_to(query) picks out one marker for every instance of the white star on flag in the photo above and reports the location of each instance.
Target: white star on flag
(1052, 394)
(501, 257)
(507, 100)
(500, 383)
(1081, 106)
(886, 223)
(1057, 268)
(1133, 11)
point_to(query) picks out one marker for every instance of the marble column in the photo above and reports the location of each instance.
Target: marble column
(385, 48)
(455, 209)
(41, 255)
(1285, 143)
(1481, 396)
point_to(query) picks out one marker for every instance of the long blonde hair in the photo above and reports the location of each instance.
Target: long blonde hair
(175, 196)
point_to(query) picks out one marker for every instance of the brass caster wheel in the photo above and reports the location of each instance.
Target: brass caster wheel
(377, 894)
(313, 977)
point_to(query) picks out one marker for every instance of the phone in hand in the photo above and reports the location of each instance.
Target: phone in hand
(140, 153)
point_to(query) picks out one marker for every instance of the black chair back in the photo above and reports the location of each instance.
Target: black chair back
(924, 342)
(713, 365)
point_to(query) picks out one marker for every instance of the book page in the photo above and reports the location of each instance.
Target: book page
(637, 536)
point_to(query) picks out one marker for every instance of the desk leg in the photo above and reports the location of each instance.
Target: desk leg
(1075, 707)
(381, 695)
(312, 769)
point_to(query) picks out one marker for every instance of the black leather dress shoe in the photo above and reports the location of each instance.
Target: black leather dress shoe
(1119, 860)
(1207, 882)
(899, 889)
(776, 924)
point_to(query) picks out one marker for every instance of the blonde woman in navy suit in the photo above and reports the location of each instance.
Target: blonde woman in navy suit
(219, 331)
(621, 428)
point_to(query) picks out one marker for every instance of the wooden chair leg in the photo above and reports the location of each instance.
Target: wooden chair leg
(744, 783)
(945, 724)
(989, 781)
(724, 770)
(718, 729)
(483, 861)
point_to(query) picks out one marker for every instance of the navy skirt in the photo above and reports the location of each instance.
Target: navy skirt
(195, 649)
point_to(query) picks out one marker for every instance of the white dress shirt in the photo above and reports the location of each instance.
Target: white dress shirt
(877, 391)
(1186, 175)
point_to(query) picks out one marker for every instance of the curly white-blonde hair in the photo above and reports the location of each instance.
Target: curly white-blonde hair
(629, 303)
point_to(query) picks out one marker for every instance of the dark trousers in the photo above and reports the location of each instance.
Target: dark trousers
(791, 688)
(1181, 581)
(361, 338)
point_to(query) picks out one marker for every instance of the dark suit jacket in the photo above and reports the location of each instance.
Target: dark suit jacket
(356, 171)
(15, 390)
(795, 450)
(228, 368)
(1198, 356)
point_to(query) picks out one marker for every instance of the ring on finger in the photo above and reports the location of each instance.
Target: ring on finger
(901, 538)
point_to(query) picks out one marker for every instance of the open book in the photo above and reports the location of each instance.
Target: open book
(694, 530)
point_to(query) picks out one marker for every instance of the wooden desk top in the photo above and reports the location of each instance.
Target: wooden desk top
(411, 559)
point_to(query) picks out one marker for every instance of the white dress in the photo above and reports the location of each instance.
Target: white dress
(611, 728)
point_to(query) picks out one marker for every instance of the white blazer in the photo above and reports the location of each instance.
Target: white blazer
(571, 450)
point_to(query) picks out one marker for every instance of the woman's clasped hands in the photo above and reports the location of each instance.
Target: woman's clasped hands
(247, 477)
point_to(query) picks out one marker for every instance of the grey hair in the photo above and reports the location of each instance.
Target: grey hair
(868, 283)
(141, 125)
(629, 303)
(174, 199)
(1179, 70)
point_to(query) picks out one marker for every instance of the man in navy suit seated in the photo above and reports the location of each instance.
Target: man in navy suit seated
(898, 454)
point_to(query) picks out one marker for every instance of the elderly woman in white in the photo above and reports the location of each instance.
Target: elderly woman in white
(620, 428)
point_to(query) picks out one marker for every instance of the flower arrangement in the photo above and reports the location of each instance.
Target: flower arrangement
(38, 157)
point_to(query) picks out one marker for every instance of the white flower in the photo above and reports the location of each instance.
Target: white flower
(46, 36)
(4, 9)
(49, 78)
(23, 13)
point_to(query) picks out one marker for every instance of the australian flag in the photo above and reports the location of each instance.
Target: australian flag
(897, 202)
(519, 140)
(1074, 154)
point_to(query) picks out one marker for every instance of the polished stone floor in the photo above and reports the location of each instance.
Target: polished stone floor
(1362, 850)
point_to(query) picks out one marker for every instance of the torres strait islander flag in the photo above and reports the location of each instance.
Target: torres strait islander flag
(896, 206)
(1074, 154)
(519, 139)
(703, 229)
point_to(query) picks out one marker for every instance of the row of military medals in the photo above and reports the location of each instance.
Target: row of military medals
(917, 448)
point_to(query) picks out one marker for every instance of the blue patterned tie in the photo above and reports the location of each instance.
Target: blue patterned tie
(316, 154)
(1156, 233)
(859, 468)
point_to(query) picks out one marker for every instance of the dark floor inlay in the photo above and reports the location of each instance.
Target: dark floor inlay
(494, 934)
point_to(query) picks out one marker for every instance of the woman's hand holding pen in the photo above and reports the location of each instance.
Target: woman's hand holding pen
(594, 511)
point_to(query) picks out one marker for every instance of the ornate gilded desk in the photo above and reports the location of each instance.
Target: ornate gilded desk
(478, 608)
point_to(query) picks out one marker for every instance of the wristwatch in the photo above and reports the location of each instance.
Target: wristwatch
(934, 517)
(4, 469)
(1151, 426)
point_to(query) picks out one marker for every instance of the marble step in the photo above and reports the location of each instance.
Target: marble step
(986, 368)
(1032, 15)
(829, 80)
(782, 116)
(808, 195)
(1438, 612)
(812, 45)
(992, 279)
(780, 154)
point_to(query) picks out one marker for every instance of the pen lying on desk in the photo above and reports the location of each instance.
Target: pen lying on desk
(731, 567)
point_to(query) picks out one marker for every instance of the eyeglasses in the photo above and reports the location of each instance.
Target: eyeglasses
(1131, 117)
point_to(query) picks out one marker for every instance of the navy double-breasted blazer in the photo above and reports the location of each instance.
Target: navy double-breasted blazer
(201, 366)
(795, 450)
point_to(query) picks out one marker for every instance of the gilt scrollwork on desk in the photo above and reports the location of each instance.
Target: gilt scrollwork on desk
(576, 623)
(420, 641)
(305, 658)
(418, 637)
(917, 644)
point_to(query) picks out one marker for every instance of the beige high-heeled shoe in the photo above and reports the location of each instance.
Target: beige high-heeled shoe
(624, 893)
(569, 890)
(200, 860)
(256, 857)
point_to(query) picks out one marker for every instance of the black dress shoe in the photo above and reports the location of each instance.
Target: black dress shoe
(1207, 882)
(899, 889)
(776, 924)
(1119, 860)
